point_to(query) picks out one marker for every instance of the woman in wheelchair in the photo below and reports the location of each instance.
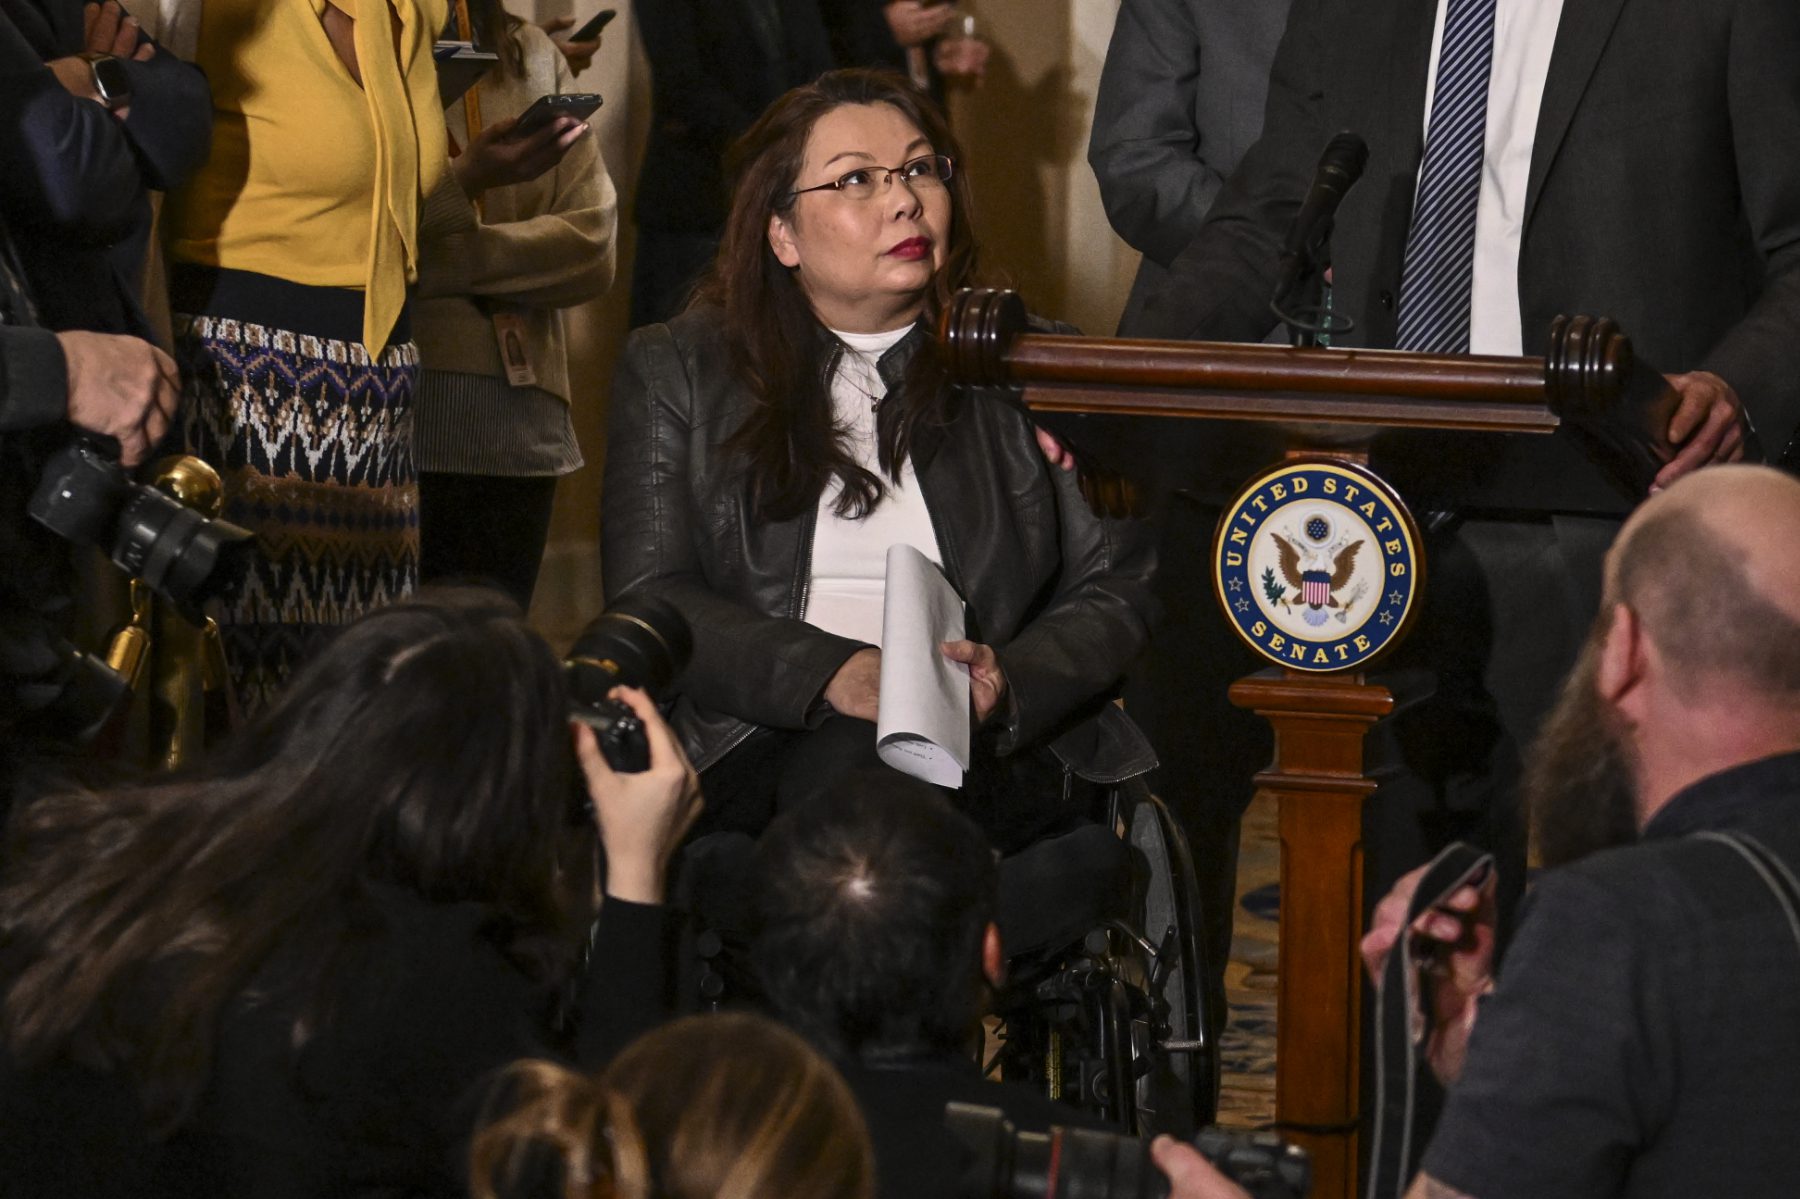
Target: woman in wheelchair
(768, 445)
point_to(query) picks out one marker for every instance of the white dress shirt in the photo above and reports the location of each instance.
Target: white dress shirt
(849, 557)
(1524, 35)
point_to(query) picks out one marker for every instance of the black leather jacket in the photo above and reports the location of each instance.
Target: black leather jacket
(1063, 596)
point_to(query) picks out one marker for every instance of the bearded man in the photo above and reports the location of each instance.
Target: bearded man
(1643, 1039)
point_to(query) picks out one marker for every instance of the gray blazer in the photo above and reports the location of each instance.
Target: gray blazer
(1181, 100)
(1664, 192)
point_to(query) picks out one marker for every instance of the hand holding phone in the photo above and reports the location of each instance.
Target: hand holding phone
(546, 109)
(591, 30)
(509, 152)
(579, 47)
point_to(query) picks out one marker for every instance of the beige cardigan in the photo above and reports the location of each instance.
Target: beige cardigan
(543, 245)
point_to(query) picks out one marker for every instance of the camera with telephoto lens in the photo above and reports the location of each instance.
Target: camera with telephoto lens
(641, 641)
(1077, 1163)
(85, 496)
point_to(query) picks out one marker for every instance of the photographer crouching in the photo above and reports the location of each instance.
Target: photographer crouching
(293, 971)
(878, 939)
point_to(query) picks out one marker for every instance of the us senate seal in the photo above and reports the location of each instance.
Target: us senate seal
(1318, 566)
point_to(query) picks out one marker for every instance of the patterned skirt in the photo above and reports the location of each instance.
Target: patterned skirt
(314, 442)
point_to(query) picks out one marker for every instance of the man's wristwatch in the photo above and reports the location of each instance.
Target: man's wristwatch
(111, 80)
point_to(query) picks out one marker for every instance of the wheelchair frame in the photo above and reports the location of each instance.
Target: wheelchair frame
(1115, 1024)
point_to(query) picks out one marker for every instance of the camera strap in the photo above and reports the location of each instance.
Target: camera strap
(1775, 873)
(1403, 1024)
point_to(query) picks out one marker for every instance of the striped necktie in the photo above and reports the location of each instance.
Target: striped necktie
(1438, 273)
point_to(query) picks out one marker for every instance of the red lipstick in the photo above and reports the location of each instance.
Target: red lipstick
(912, 249)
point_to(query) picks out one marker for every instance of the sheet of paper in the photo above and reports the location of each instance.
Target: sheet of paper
(924, 724)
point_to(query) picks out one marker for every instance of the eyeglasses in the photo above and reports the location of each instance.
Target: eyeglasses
(930, 171)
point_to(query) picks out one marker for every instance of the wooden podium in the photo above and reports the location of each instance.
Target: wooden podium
(1148, 415)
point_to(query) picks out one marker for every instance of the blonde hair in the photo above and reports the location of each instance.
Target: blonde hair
(556, 1118)
(729, 1106)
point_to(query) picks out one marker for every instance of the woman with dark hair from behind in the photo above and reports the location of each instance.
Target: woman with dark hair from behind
(294, 969)
(730, 1106)
(768, 446)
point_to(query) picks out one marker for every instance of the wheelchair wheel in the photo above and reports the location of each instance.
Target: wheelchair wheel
(1179, 1092)
(1114, 1022)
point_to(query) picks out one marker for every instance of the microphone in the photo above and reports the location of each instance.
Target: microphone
(1340, 166)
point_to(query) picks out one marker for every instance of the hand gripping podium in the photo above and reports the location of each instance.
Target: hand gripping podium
(1318, 564)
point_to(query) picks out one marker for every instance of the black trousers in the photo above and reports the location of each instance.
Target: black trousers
(484, 529)
(1017, 800)
(1059, 867)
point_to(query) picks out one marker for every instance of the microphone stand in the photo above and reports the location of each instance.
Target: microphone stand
(1305, 305)
(1302, 299)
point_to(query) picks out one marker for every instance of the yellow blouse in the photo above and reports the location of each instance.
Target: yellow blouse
(312, 178)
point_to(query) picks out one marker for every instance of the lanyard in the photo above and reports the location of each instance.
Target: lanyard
(472, 97)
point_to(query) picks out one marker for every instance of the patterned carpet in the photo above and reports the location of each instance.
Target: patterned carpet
(1248, 1096)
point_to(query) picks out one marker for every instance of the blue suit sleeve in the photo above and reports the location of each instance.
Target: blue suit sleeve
(170, 126)
(70, 169)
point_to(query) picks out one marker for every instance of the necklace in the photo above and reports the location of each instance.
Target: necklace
(849, 376)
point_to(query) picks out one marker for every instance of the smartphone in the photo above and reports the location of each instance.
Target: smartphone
(545, 109)
(591, 30)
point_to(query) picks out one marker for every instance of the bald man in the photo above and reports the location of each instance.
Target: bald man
(1643, 1039)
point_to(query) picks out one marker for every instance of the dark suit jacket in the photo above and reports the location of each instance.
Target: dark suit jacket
(714, 66)
(1180, 102)
(1664, 192)
(76, 180)
(860, 36)
(36, 584)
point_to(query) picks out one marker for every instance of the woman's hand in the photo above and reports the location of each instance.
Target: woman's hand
(855, 690)
(495, 158)
(642, 817)
(987, 682)
(1054, 451)
(913, 23)
(579, 55)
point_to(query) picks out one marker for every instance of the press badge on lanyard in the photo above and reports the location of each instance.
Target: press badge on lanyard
(509, 327)
(515, 352)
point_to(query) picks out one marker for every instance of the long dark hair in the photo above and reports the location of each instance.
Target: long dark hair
(425, 748)
(778, 347)
(493, 28)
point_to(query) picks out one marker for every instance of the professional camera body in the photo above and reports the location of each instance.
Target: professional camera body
(85, 496)
(1077, 1163)
(641, 641)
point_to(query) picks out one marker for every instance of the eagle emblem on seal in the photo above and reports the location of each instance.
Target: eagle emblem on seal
(1319, 567)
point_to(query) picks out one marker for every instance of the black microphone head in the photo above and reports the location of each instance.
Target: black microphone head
(1346, 154)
